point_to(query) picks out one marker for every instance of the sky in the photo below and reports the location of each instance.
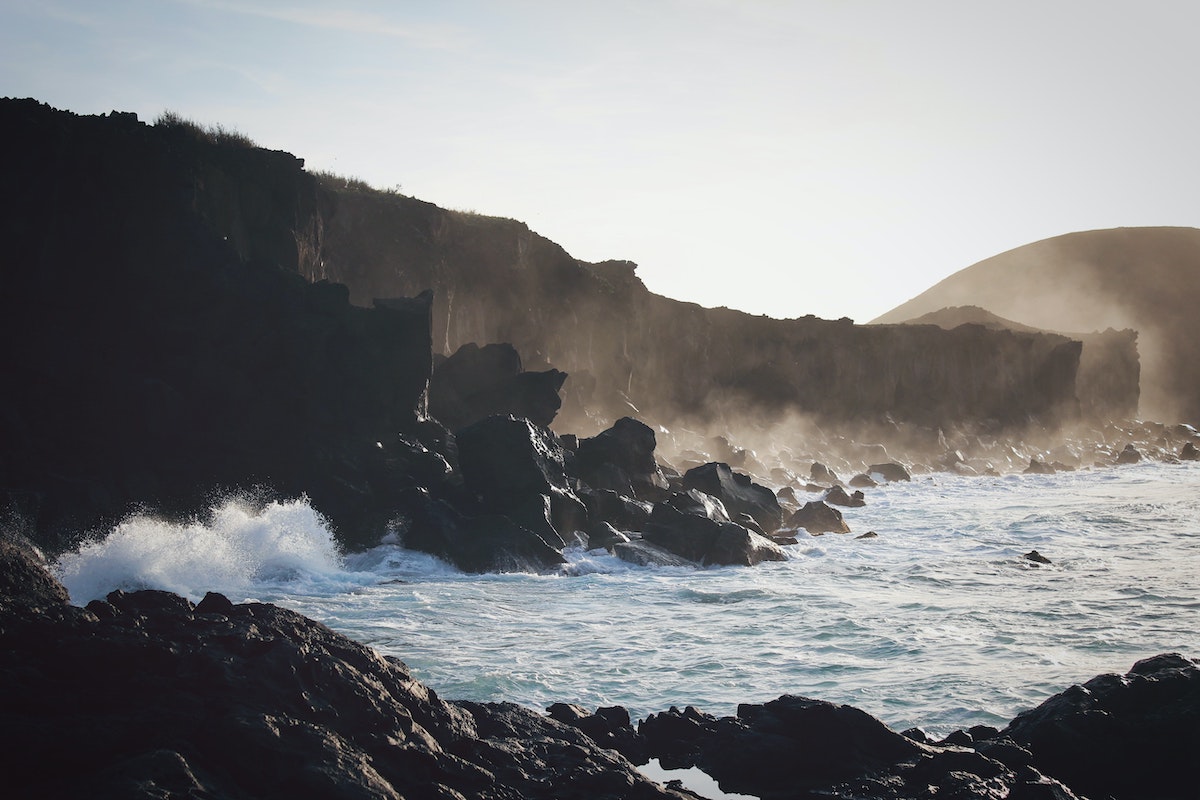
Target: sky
(827, 157)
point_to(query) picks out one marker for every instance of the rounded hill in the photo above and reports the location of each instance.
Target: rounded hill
(1147, 279)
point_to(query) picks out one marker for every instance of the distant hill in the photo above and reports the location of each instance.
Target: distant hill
(1146, 279)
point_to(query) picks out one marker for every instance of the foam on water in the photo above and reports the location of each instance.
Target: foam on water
(938, 622)
(239, 551)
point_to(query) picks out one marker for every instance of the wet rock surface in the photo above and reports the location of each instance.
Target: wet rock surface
(155, 697)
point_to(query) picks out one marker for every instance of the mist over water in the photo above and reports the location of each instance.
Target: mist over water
(938, 622)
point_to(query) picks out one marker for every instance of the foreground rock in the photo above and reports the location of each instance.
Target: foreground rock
(1131, 737)
(817, 518)
(145, 695)
(738, 493)
(1124, 736)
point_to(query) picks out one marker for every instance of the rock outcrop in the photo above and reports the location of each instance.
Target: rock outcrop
(146, 695)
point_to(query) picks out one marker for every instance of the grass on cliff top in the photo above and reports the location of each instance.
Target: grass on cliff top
(213, 134)
(351, 183)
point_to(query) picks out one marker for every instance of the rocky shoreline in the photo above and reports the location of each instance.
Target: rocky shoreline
(146, 694)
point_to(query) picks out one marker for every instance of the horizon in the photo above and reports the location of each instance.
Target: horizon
(857, 155)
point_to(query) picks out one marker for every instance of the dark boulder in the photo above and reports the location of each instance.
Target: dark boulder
(1189, 453)
(609, 727)
(647, 554)
(1036, 557)
(1039, 468)
(1129, 455)
(477, 382)
(1130, 736)
(476, 543)
(738, 493)
(862, 481)
(224, 700)
(823, 474)
(700, 504)
(509, 464)
(676, 737)
(787, 494)
(889, 471)
(816, 517)
(707, 541)
(621, 458)
(837, 495)
(778, 749)
(601, 535)
(623, 513)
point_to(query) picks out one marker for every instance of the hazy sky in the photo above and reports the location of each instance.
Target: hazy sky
(784, 158)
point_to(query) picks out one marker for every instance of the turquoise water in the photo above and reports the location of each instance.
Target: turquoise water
(937, 622)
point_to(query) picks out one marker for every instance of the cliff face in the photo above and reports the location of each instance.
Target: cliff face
(157, 340)
(1143, 279)
(494, 280)
(1107, 383)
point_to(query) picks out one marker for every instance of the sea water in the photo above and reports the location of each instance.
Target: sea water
(938, 622)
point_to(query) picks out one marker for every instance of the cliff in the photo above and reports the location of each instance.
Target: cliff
(158, 340)
(1144, 279)
(677, 363)
(1108, 381)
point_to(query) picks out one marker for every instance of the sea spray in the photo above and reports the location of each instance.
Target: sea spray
(238, 550)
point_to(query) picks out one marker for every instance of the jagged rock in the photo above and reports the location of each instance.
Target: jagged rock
(700, 504)
(837, 495)
(787, 494)
(1189, 453)
(647, 554)
(511, 464)
(780, 748)
(862, 481)
(609, 727)
(603, 535)
(623, 513)
(817, 518)
(823, 474)
(1130, 736)
(476, 543)
(1036, 557)
(868, 535)
(889, 471)
(226, 700)
(707, 541)
(477, 382)
(1039, 468)
(621, 458)
(737, 492)
(1129, 455)
(676, 737)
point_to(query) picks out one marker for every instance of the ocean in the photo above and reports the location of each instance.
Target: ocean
(938, 622)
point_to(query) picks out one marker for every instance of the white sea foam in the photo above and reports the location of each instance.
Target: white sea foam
(938, 622)
(240, 550)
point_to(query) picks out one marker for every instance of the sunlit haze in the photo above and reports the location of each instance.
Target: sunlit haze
(783, 158)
